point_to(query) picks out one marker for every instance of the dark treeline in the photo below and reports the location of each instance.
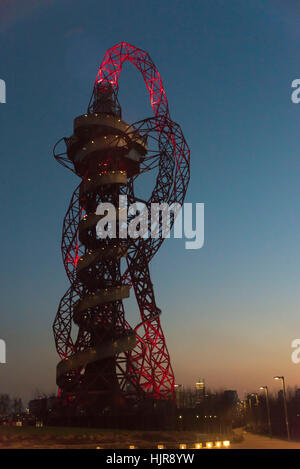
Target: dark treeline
(208, 412)
(205, 412)
(256, 416)
(10, 406)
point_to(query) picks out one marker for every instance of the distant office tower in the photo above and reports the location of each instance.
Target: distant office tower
(179, 392)
(200, 390)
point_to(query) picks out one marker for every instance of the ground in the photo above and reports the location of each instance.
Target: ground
(64, 437)
(252, 441)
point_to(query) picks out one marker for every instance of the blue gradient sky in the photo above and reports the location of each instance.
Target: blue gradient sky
(231, 309)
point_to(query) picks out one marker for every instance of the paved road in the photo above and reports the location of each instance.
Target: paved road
(252, 441)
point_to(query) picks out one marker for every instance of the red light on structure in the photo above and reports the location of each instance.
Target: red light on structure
(145, 367)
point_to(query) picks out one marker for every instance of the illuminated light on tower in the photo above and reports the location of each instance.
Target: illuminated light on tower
(104, 361)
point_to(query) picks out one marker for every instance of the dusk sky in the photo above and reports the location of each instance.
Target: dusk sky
(229, 310)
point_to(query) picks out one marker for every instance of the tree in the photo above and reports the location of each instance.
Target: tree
(17, 405)
(5, 404)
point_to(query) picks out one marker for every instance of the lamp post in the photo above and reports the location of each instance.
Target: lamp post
(285, 405)
(265, 388)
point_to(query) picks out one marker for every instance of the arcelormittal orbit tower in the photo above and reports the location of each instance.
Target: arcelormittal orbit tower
(104, 362)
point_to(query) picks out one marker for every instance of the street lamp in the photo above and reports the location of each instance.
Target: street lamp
(285, 405)
(265, 388)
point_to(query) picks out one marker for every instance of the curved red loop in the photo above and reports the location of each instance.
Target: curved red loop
(111, 67)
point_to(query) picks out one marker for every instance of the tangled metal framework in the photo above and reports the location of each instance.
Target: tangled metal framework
(107, 360)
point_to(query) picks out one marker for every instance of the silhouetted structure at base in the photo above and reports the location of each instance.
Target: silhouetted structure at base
(148, 415)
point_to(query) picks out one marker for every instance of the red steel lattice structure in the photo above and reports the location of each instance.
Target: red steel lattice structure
(105, 359)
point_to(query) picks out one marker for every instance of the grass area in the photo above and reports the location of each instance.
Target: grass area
(45, 437)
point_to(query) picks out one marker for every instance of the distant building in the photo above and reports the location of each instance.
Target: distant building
(37, 406)
(179, 388)
(200, 390)
(297, 394)
(40, 407)
(231, 397)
